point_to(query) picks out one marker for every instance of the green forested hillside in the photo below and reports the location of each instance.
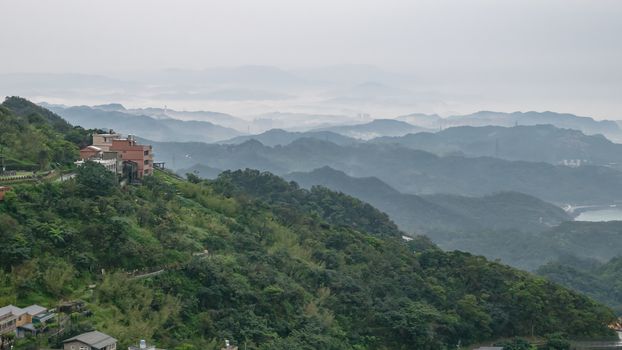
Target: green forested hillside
(33, 138)
(287, 268)
(601, 281)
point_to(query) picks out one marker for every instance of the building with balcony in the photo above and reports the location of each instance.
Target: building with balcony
(120, 155)
(22, 321)
(131, 151)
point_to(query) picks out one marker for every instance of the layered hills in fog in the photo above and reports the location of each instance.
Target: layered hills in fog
(408, 170)
(431, 214)
(157, 127)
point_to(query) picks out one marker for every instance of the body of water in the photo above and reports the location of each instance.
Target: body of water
(599, 345)
(609, 214)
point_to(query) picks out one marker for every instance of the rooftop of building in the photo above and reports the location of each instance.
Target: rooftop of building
(11, 309)
(35, 309)
(94, 339)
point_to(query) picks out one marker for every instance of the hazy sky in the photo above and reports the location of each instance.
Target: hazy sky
(573, 47)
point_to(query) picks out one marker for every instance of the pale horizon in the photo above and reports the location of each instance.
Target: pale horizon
(445, 57)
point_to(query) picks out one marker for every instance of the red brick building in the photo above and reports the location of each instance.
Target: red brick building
(130, 151)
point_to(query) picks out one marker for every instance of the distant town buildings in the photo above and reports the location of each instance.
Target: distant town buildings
(120, 155)
(573, 163)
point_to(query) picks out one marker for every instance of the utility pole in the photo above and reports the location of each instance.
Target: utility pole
(2, 159)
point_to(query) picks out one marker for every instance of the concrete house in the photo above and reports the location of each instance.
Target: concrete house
(11, 317)
(131, 151)
(90, 341)
(35, 315)
(22, 321)
(120, 155)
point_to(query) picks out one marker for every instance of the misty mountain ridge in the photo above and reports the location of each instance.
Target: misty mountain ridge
(274, 137)
(562, 120)
(375, 128)
(431, 214)
(407, 170)
(163, 129)
(538, 143)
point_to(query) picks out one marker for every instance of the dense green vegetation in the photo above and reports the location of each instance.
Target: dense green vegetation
(601, 281)
(287, 268)
(33, 138)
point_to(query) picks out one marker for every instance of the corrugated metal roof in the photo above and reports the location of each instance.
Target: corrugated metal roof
(35, 309)
(11, 309)
(94, 339)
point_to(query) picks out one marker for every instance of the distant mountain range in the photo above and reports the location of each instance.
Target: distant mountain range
(221, 119)
(441, 213)
(487, 118)
(157, 128)
(276, 137)
(407, 170)
(539, 143)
